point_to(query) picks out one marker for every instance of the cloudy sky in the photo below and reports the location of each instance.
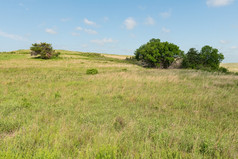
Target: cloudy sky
(119, 26)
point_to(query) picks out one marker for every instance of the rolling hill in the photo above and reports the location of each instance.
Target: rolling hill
(53, 109)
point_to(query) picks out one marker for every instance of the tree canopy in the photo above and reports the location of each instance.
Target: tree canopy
(158, 54)
(208, 57)
(44, 50)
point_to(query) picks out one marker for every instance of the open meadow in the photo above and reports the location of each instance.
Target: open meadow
(53, 109)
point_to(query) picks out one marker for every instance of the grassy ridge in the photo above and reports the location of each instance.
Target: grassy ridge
(233, 67)
(52, 109)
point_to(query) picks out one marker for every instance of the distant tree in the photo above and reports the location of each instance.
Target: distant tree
(208, 57)
(191, 59)
(158, 54)
(44, 50)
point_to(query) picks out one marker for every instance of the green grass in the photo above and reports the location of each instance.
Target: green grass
(5, 56)
(53, 109)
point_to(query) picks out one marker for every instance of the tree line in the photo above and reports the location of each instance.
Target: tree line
(157, 54)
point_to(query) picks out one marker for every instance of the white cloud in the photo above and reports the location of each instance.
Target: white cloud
(166, 30)
(65, 19)
(88, 22)
(130, 23)
(218, 3)
(12, 36)
(103, 41)
(50, 31)
(223, 42)
(75, 34)
(166, 15)
(79, 28)
(149, 21)
(234, 47)
(90, 31)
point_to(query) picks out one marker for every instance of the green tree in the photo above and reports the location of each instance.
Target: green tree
(44, 50)
(158, 54)
(191, 59)
(210, 57)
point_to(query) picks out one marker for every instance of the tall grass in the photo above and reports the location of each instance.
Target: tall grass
(52, 109)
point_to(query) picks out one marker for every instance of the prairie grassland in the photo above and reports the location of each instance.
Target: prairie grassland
(233, 67)
(52, 109)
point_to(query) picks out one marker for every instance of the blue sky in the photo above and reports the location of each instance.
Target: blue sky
(119, 26)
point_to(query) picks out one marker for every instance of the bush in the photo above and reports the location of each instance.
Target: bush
(119, 123)
(92, 71)
(158, 54)
(223, 70)
(124, 69)
(44, 50)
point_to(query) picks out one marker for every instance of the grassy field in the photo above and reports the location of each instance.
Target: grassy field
(53, 109)
(233, 67)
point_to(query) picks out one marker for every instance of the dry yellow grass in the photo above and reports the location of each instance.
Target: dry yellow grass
(122, 57)
(233, 67)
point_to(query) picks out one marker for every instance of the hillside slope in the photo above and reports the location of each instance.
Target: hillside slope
(53, 109)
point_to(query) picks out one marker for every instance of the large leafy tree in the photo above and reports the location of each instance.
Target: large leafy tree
(158, 54)
(44, 50)
(208, 57)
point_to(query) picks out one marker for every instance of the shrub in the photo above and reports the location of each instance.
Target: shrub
(119, 123)
(158, 54)
(92, 71)
(44, 50)
(223, 70)
(25, 103)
